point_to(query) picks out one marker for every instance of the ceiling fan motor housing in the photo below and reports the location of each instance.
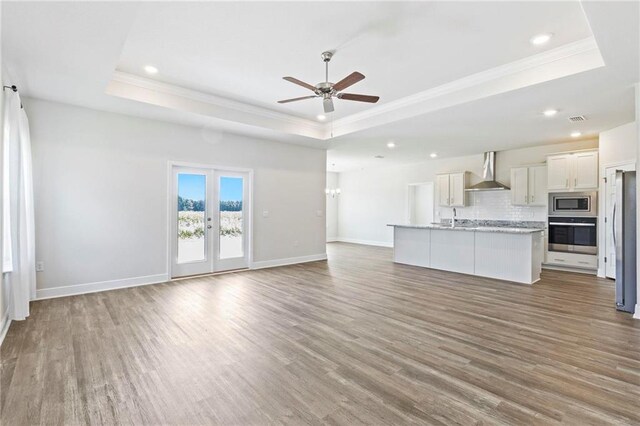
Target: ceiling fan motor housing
(324, 88)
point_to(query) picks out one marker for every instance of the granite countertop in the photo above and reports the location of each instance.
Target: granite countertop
(475, 228)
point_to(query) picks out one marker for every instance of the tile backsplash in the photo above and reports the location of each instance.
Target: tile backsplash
(493, 205)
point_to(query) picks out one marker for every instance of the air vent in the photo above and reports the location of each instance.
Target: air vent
(577, 118)
(379, 156)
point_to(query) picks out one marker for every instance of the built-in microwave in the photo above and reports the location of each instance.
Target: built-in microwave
(573, 204)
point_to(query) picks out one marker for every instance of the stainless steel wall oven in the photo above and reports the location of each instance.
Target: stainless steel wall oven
(573, 234)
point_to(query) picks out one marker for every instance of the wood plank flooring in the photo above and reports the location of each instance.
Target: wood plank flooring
(355, 340)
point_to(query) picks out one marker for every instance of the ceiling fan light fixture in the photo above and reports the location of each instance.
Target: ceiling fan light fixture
(327, 90)
(327, 104)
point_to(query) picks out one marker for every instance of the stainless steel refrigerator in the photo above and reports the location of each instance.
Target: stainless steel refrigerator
(624, 234)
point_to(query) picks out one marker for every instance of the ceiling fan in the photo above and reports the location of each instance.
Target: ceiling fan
(327, 91)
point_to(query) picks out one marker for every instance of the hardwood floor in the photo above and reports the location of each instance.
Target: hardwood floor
(355, 340)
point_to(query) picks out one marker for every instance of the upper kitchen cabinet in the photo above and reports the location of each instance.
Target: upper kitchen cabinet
(451, 188)
(586, 170)
(529, 185)
(576, 171)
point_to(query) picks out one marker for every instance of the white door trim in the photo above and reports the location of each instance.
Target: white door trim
(249, 220)
(410, 200)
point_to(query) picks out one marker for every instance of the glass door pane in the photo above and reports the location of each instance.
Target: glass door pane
(192, 195)
(231, 220)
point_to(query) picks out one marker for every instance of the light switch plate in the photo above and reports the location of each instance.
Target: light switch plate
(265, 213)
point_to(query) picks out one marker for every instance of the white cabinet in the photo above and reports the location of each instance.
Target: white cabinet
(577, 171)
(442, 184)
(519, 186)
(529, 186)
(451, 189)
(537, 185)
(559, 172)
(586, 170)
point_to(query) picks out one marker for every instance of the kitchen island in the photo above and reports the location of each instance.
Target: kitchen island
(506, 253)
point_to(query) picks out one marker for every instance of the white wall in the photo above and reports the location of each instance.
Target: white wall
(100, 183)
(332, 207)
(617, 146)
(372, 198)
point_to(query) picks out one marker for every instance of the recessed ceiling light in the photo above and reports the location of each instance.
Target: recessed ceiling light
(150, 69)
(321, 117)
(391, 144)
(550, 112)
(539, 39)
(433, 155)
(575, 134)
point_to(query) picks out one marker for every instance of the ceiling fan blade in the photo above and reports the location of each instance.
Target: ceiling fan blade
(349, 80)
(327, 103)
(300, 83)
(359, 98)
(296, 99)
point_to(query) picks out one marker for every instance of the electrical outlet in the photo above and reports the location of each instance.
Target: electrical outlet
(319, 213)
(296, 243)
(39, 266)
(265, 213)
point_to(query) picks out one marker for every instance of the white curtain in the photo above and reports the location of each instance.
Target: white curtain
(18, 215)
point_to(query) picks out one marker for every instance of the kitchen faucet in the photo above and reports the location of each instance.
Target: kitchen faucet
(453, 219)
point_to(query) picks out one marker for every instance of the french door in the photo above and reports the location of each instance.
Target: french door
(209, 220)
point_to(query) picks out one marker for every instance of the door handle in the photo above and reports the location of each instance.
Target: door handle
(572, 224)
(209, 226)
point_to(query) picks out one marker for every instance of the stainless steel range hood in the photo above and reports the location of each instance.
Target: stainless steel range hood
(489, 182)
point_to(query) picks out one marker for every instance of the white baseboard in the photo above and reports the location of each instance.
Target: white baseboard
(288, 261)
(364, 242)
(71, 290)
(5, 322)
(636, 313)
(332, 239)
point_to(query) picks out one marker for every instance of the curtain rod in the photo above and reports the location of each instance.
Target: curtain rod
(15, 90)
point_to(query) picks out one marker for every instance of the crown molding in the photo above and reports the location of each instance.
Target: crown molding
(562, 61)
(146, 90)
(572, 58)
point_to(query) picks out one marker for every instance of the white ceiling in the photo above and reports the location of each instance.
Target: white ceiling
(241, 50)
(231, 57)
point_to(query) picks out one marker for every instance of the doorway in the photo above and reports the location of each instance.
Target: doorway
(609, 205)
(210, 220)
(420, 206)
